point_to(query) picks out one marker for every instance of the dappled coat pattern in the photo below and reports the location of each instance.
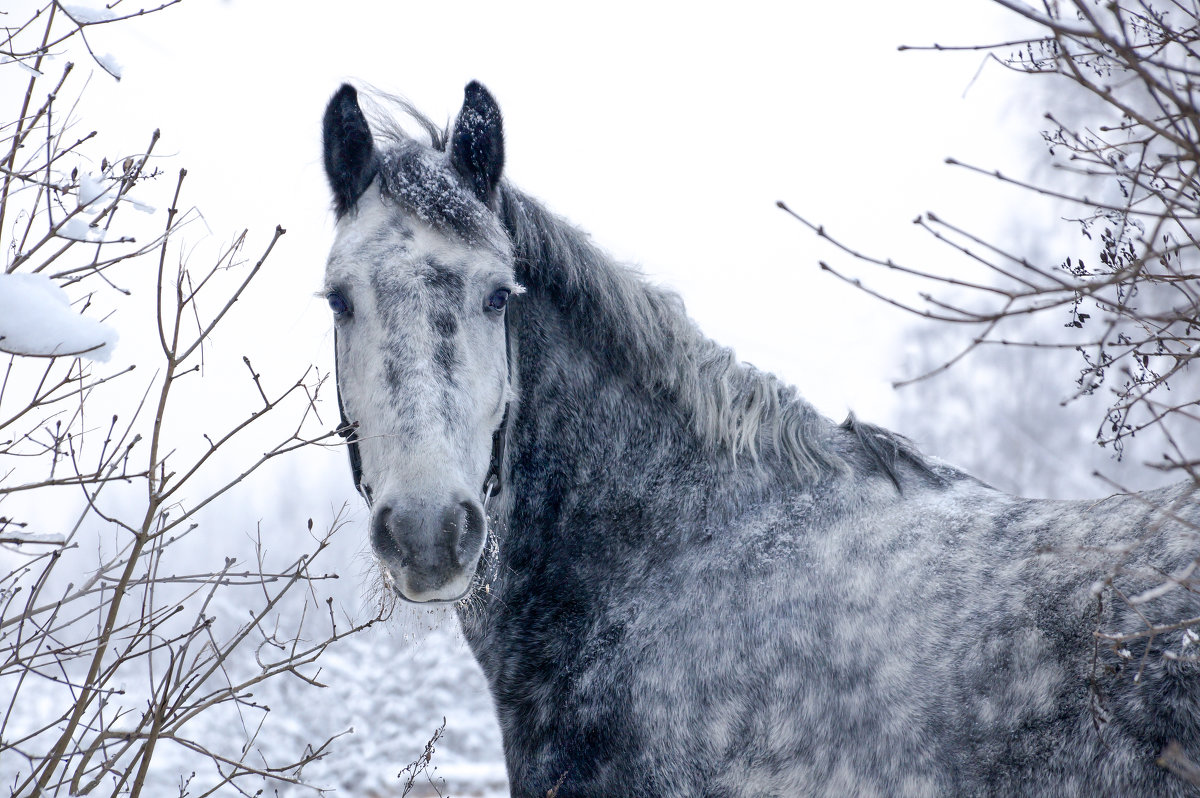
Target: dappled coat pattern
(690, 582)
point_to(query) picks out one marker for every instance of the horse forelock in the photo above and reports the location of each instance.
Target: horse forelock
(415, 172)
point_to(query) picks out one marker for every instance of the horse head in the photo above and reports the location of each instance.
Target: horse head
(418, 280)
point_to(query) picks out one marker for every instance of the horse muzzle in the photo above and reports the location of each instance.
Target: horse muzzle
(430, 551)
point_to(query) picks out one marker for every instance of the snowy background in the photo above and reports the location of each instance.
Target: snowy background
(667, 131)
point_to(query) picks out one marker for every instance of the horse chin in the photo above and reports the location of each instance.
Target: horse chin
(428, 601)
(450, 591)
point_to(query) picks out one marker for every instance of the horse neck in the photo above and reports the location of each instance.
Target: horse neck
(587, 410)
(582, 408)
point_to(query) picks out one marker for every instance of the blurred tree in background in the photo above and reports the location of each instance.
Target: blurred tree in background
(1121, 313)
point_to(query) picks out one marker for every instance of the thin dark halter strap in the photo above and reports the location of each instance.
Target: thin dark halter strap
(493, 481)
(349, 431)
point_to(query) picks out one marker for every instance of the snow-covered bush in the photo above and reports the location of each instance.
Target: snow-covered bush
(132, 637)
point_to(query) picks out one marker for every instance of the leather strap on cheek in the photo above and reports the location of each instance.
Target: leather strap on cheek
(493, 482)
(349, 431)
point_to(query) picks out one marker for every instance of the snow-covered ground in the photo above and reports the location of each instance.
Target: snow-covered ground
(394, 686)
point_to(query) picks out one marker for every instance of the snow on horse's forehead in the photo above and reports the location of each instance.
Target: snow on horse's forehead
(695, 584)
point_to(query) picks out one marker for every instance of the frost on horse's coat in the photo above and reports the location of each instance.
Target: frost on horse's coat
(690, 582)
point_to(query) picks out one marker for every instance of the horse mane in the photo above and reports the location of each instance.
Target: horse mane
(732, 406)
(886, 450)
(633, 323)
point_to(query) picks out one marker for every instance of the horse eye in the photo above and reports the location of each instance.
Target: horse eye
(498, 299)
(337, 303)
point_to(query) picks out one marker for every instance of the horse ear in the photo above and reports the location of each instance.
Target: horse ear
(349, 149)
(477, 144)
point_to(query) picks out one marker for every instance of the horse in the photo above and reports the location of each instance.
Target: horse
(677, 576)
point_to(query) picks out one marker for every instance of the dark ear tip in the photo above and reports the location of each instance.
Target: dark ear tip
(343, 104)
(348, 148)
(477, 143)
(476, 92)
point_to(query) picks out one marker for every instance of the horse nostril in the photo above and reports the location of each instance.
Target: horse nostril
(429, 545)
(466, 536)
(382, 539)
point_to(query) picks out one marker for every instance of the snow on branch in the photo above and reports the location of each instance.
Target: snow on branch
(36, 319)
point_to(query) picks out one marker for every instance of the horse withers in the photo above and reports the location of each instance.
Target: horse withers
(677, 576)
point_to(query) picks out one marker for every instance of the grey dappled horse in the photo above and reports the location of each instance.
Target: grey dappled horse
(677, 576)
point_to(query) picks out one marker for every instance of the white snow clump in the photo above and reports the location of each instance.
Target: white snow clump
(85, 15)
(91, 188)
(36, 319)
(109, 64)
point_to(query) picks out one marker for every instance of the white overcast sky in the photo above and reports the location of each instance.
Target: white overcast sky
(667, 130)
